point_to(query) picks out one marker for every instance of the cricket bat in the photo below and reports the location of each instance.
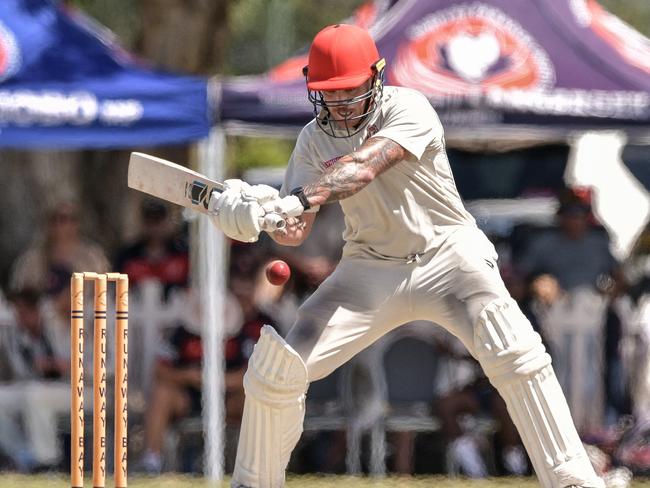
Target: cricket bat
(182, 186)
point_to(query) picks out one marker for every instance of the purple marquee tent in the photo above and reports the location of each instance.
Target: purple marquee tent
(482, 63)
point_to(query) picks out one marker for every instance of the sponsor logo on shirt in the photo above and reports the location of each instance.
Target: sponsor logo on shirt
(330, 162)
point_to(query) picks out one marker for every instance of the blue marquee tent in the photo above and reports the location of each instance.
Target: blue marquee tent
(65, 84)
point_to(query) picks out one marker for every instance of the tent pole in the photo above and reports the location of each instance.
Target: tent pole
(211, 270)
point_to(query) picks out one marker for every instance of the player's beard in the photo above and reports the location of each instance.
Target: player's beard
(351, 118)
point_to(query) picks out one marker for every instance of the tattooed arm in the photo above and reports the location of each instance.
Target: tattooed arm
(354, 171)
(350, 175)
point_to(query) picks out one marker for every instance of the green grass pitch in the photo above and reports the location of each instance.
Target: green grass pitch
(167, 481)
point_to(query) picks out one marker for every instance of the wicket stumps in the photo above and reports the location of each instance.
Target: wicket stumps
(99, 378)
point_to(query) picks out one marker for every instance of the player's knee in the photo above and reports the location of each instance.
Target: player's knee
(306, 331)
(303, 338)
(506, 344)
(276, 373)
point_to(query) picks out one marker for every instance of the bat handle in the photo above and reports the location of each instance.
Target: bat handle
(272, 222)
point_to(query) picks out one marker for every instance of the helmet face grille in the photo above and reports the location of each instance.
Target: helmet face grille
(347, 126)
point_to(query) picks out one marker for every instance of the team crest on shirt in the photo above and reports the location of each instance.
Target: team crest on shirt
(10, 59)
(469, 50)
(330, 162)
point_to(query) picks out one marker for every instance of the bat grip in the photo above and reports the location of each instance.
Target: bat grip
(272, 222)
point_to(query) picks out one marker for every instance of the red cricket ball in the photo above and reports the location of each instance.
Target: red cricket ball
(278, 272)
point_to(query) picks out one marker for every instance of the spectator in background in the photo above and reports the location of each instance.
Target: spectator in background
(157, 263)
(56, 307)
(160, 253)
(177, 385)
(176, 392)
(632, 442)
(7, 324)
(479, 399)
(573, 276)
(60, 247)
(575, 254)
(39, 390)
(637, 270)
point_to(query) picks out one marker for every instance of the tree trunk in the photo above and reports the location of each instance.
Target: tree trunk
(184, 35)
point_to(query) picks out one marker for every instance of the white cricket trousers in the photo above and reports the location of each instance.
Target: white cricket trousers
(457, 286)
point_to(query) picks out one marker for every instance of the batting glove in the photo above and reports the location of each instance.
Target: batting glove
(287, 207)
(261, 193)
(237, 215)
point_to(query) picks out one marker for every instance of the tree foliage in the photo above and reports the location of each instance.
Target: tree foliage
(634, 12)
(265, 32)
(246, 152)
(121, 16)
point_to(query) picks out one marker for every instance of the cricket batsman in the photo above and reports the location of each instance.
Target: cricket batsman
(412, 252)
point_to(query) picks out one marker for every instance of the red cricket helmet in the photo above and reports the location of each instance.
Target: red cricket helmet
(343, 57)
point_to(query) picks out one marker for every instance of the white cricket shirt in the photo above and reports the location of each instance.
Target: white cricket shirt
(410, 208)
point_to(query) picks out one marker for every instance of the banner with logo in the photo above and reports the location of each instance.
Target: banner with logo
(486, 63)
(64, 83)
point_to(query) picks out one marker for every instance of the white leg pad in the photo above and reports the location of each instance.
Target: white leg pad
(515, 360)
(274, 411)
